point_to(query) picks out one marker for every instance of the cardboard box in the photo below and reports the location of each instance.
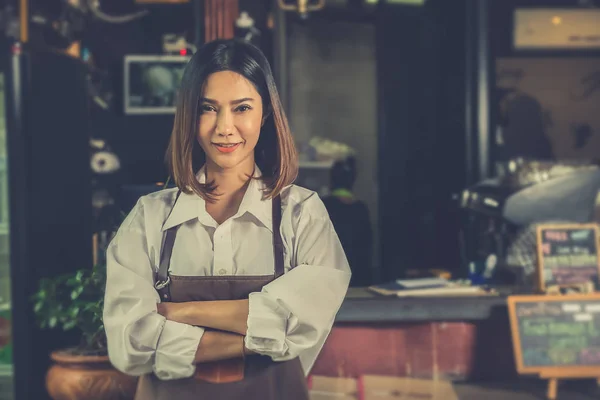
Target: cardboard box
(376, 387)
(325, 388)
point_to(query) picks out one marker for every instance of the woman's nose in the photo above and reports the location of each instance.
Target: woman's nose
(224, 123)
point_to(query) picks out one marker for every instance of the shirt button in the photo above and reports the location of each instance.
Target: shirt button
(222, 272)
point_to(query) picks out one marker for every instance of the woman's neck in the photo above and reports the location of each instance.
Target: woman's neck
(229, 182)
(231, 185)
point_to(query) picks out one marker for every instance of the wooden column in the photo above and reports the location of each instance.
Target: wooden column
(219, 19)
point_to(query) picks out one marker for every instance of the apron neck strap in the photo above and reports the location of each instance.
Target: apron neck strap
(277, 241)
(162, 281)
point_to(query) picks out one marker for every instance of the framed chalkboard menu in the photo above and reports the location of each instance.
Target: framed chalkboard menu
(556, 333)
(567, 255)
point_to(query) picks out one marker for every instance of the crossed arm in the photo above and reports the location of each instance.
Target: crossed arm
(140, 342)
(226, 320)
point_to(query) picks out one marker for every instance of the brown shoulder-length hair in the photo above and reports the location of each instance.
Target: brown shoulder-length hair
(275, 152)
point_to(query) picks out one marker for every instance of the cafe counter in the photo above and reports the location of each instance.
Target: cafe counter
(454, 338)
(363, 306)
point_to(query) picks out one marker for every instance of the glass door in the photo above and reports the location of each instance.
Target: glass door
(6, 357)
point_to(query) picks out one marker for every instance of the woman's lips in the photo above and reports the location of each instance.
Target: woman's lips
(226, 148)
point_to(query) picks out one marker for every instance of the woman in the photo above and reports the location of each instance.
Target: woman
(227, 287)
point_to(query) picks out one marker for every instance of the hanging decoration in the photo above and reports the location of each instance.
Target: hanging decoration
(219, 19)
(302, 7)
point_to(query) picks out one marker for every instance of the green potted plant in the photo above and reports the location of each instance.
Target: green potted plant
(75, 301)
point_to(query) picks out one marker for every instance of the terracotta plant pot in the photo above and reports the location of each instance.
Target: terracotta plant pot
(82, 377)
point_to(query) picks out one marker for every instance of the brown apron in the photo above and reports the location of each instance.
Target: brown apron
(263, 378)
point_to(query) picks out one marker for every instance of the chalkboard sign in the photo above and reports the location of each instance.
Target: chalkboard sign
(556, 332)
(567, 255)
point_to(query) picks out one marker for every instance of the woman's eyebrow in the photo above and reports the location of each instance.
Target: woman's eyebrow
(238, 101)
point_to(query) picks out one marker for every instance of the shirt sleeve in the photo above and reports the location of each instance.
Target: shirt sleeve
(293, 315)
(140, 340)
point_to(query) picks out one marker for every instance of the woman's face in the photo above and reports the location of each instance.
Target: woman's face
(231, 116)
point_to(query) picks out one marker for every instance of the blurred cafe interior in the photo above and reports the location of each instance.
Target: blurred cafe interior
(454, 143)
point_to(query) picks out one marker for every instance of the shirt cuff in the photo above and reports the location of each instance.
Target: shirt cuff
(176, 350)
(267, 325)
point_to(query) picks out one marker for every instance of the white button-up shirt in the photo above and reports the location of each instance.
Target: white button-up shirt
(291, 317)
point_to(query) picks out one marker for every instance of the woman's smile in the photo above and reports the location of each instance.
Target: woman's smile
(227, 147)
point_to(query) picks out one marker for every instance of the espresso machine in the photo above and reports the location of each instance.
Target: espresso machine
(499, 215)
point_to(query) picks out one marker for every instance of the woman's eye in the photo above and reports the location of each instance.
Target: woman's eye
(243, 108)
(206, 108)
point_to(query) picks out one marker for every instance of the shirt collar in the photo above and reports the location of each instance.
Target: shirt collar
(190, 206)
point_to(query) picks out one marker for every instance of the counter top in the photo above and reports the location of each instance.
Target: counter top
(362, 305)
